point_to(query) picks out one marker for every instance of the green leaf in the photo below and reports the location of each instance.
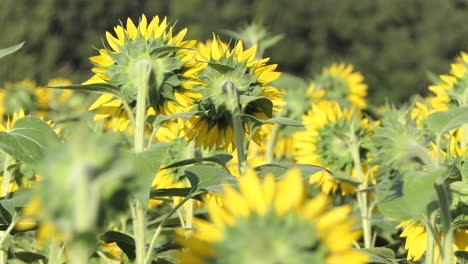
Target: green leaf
(419, 191)
(221, 159)
(95, 87)
(10, 50)
(222, 68)
(180, 192)
(443, 121)
(277, 120)
(381, 255)
(462, 256)
(29, 139)
(148, 163)
(278, 169)
(171, 245)
(158, 120)
(459, 187)
(15, 202)
(209, 176)
(411, 197)
(343, 177)
(125, 242)
(29, 257)
(260, 103)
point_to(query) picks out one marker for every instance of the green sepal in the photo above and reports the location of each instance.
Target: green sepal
(10, 50)
(222, 68)
(29, 139)
(166, 49)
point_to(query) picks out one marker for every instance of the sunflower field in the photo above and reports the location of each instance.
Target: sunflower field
(188, 151)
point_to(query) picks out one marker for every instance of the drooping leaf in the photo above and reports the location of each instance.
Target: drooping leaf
(29, 257)
(221, 159)
(261, 103)
(278, 169)
(125, 242)
(158, 120)
(443, 121)
(148, 163)
(277, 120)
(29, 139)
(95, 87)
(208, 176)
(10, 50)
(381, 255)
(343, 177)
(462, 256)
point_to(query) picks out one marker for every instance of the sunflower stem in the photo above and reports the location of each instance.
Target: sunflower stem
(361, 196)
(430, 240)
(446, 219)
(142, 69)
(6, 175)
(237, 122)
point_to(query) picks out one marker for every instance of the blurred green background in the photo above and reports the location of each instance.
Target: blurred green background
(396, 44)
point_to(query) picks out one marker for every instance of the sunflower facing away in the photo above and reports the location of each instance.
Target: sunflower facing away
(339, 82)
(171, 71)
(453, 90)
(324, 142)
(272, 222)
(250, 79)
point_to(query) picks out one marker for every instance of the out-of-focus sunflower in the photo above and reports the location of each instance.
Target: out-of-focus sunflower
(324, 142)
(339, 82)
(416, 240)
(272, 222)
(166, 55)
(231, 78)
(452, 90)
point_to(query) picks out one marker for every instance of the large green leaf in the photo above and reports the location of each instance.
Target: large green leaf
(10, 50)
(278, 169)
(29, 139)
(443, 121)
(148, 163)
(411, 197)
(221, 159)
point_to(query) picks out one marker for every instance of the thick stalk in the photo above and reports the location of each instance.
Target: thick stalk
(142, 76)
(430, 244)
(237, 123)
(271, 144)
(6, 178)
(446, 219)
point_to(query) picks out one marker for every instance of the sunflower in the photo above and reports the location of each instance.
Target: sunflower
(416, 240)
(325, 143)
(168, 57)
(451, 91)
(272, 222)
(250, 79)
(339, 82)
